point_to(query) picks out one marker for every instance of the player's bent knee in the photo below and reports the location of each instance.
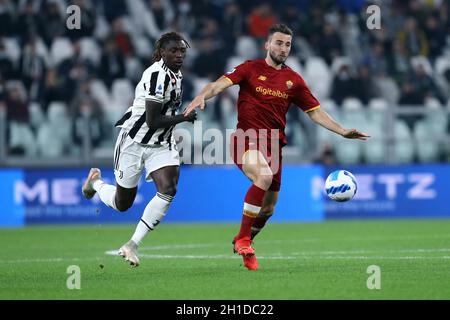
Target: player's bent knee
(264, 181)
(123, 205)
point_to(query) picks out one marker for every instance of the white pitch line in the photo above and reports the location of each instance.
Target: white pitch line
(48, 260)
(183, 246)
(374, 251)
(218, 245)
(199, 256)
(325, 255)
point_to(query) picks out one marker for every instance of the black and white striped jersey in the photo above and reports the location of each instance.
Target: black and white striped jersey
(159, 84)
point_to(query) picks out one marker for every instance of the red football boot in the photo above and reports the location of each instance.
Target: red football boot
(243, 247)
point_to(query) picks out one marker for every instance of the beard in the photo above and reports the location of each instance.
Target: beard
(277, 60)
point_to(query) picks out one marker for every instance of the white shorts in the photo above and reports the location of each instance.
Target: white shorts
(130, 159)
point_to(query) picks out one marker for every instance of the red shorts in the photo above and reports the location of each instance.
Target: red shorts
(238, 149)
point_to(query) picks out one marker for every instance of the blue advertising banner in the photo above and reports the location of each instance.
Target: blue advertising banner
(12, 213)
(419, 191)
(206, 194)
(216, 194)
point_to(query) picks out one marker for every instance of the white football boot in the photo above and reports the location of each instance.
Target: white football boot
(129, 252)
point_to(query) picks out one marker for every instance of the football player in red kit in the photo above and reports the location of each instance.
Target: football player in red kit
(267, 88)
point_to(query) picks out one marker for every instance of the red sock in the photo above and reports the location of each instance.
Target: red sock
(252, 206)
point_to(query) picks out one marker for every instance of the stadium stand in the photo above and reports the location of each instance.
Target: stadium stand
(344, 63)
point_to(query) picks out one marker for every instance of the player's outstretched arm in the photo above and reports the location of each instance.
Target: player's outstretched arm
(325, 120)
(156, 120)
(210, 90)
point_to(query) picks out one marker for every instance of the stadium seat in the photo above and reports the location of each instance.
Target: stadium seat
(338, 62)
(139, 13)
(436, 117)
(294, 64)
(129, 24)
(304, 50)
(353, 114)
(100, 93)
(318, 77)
(122, 92)
(246, 48)
(374, 149)
(59, 122)
(377, 110)
(21, 136)
(325, 137)
(36, 115)
(49, 144)
(90, 50)
(404, 143)
(388, 89)
(12, 49)
(427, 149)
(133, 69)
(421, 60)
(142, 45)
(102, 28)
(348, 151)
(441, 64)
(331, 108)
(299, 137)
(60, 50)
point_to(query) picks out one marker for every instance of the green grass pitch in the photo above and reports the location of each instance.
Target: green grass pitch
(326, 260)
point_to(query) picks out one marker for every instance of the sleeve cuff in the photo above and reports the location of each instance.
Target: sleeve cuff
(313, 108)
(231, 81)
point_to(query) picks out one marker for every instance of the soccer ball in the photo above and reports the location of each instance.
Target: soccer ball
(341, 186)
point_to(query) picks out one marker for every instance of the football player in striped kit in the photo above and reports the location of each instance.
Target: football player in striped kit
(146, 142)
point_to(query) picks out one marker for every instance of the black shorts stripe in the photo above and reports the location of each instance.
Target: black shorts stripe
(137, 125)
(153, 83)
(124, 118)
(117, 152)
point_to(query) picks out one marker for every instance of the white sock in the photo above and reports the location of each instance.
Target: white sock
(106, 192)
(153, 214)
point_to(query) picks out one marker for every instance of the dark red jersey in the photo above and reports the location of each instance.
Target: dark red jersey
(266, 93)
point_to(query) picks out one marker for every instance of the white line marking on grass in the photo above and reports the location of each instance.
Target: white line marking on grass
(374, 251)
(353, 238)
(200, 256)
(48, 260)
(324, 255)
(375, 257)
(183, 246)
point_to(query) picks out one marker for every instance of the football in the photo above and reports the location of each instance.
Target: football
(341, 185)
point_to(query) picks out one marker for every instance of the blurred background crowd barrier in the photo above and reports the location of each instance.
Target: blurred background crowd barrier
(62, 90)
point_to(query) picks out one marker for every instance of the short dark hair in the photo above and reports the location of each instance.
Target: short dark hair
(279, 27)
(164, 40)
